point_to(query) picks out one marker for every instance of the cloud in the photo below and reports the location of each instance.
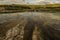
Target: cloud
(11, 2)
(29, 1)
(34, 0)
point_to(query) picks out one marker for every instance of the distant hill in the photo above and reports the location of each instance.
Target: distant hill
(23, 8)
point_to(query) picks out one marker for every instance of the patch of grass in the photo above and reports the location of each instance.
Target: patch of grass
(22, 8)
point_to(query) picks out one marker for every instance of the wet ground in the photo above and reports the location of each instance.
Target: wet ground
(13, 25)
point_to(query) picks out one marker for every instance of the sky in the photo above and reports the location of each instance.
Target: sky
(36, 1)
(29, 1)
(41, 0)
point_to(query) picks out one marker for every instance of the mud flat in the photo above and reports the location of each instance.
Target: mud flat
(19, 26)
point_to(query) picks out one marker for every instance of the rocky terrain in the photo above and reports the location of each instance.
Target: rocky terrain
(29, 26)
